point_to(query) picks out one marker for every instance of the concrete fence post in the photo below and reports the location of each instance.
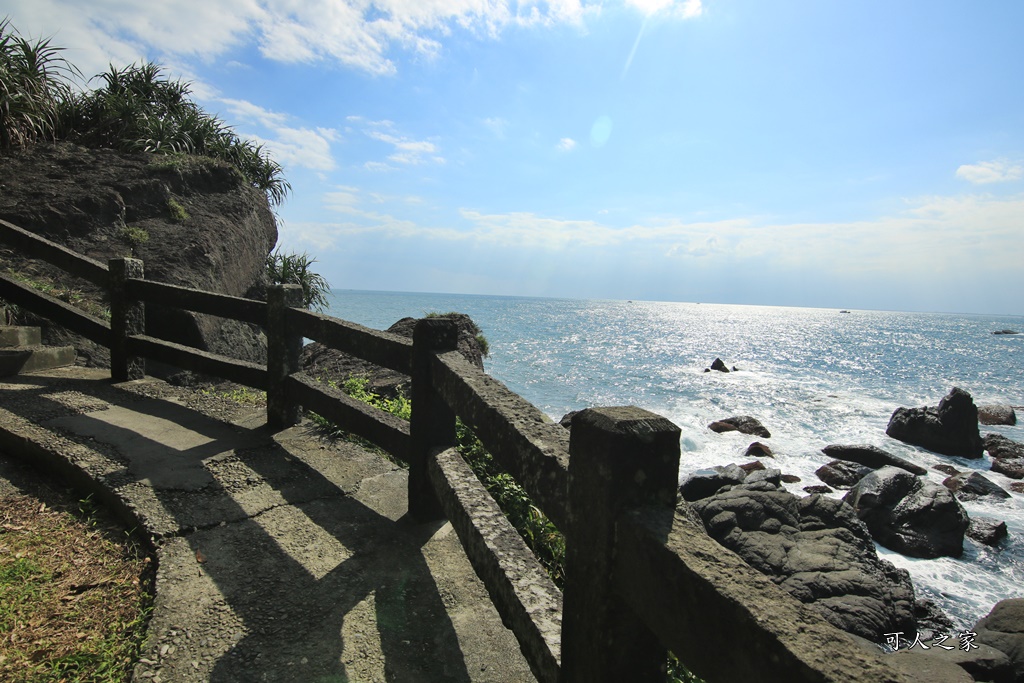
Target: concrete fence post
(432, 424)
(618, 458)
(283, 350)
(127, 317)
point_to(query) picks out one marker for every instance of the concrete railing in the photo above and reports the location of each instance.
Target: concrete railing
(641, 577)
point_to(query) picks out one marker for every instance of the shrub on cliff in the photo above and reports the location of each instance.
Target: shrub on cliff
(137, 108)
(293, 269)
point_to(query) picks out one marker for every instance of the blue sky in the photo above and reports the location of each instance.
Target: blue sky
(854, 155)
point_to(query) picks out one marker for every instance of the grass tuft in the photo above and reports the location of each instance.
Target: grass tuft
(74, 593)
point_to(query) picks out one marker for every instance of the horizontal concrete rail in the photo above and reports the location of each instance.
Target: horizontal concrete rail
(56, 310)
(723, 619)
(35, 246)
(222, 305)
(534, 450)
(387, 350)
(528, 601)
(383, 429)
(188, 358)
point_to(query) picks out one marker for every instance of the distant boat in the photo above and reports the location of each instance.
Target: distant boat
(844, 311)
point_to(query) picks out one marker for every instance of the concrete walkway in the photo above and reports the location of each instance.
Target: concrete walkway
(281, 557)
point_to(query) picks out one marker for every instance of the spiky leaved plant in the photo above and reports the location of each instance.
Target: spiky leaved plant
(34, 80)
(294, 269)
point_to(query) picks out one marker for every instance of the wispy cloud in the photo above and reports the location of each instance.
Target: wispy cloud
(984, 172)
(353, 33)
(684, 9)
(407, 150)
(566, 145)
(289, 145)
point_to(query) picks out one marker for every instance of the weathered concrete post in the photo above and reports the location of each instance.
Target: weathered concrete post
(127, 317)
(432, 424)
(618, 458)
(283, 350)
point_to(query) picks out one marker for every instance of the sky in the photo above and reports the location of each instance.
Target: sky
(853, 155)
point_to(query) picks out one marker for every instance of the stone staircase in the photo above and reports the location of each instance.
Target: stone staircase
(21, 351)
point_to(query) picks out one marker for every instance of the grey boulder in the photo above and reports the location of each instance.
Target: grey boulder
(949, 429)
(908, 514)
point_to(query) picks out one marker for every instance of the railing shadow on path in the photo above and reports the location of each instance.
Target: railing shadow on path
(291, 556)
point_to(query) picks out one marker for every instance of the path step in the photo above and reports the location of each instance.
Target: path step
(11, 335)
(22, 350)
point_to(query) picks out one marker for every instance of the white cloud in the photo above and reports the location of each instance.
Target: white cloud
(354, 33)
(406, 150)
(984, 172)
(566, 145)
(288, 145)
(685, 9)
(496, 125)
(932, 234)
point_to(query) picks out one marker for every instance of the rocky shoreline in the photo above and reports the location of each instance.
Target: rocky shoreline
(821, 548)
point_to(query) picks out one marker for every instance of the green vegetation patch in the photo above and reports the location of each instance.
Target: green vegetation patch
(177, 211)
(74, 594)
(295, 269)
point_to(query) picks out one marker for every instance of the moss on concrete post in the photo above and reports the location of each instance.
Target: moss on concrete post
(127, 317)
(283, 349)
(618, 458)
(432, 424)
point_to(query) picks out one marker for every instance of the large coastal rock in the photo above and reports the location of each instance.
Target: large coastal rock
(997, 415)
(950, 429)
(1003, 629)
(842, 474)
(870, 456)
(815, 548)
(743, 424)
(1007, 455)
(326, 363)
(909, 514)
(972, 485)
(101, 202)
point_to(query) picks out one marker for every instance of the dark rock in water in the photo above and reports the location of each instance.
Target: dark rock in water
(759, 450)
(790, 479)
(320, 361)
(1003, 629)
(871, 456)
(908, 514)
(719, 365)
(931, 619)
(703, 483)
(987, 531)
(971, 485)
(817, 549)
(1017, 487)
(946, 469)
(768, 474)
(743, 423)
(751, 466)
(1010, 467)
(1006, 332)
(817, 488)
(468, 343)
(998, 446)
(566, 420)
(950, 429)
(997, 415)
(841, 474)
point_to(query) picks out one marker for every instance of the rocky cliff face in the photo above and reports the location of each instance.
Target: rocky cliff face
(195, 222)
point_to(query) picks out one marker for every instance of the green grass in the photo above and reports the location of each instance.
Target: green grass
(294, 269)
(68, 295)
(73, 593)
(177, 211)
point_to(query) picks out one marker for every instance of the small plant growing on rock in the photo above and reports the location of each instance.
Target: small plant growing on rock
(177, 211)
(134, 237)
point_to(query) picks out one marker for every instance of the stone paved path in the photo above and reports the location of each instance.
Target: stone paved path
(281, 557)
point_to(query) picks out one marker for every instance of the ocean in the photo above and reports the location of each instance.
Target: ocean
(813, 377)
